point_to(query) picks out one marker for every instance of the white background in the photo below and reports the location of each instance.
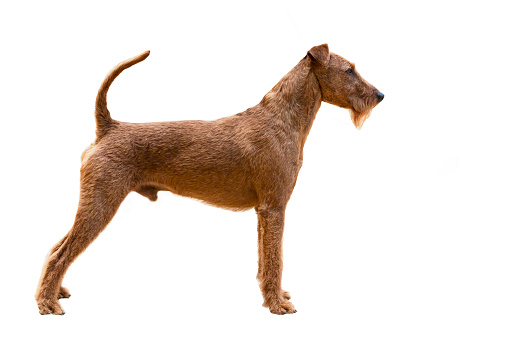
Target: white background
(399, 230)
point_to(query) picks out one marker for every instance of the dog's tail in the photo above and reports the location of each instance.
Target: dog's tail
(102, 115)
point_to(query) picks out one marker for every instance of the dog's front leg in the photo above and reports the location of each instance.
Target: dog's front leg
(270, 265)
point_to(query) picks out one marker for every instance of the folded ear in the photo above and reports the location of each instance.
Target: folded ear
(320, 54)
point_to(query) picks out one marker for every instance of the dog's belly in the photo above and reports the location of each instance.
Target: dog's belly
(219, 185)
(214, 190)
(234, 200)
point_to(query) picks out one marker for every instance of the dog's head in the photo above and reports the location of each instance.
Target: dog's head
(342, 85)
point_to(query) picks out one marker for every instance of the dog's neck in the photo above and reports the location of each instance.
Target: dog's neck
(295, 100)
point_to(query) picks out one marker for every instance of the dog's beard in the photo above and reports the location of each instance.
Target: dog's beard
(358, 118)
(361, 109)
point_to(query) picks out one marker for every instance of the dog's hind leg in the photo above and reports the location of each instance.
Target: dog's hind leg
(99, 200)
(63, 292)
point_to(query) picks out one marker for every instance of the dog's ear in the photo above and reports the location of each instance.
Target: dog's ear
(320, 54)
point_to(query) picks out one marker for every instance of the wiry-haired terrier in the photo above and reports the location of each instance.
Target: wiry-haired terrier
(247, 160)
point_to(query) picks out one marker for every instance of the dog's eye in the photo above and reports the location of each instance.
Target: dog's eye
(350, 71)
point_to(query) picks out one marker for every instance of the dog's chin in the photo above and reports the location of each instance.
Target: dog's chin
(358, 118)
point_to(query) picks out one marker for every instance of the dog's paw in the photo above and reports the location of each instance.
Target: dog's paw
(279, 304)
(63, 293)
(282, 307)
(50, 307)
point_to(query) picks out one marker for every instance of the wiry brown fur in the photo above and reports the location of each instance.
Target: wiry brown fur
(247, 160)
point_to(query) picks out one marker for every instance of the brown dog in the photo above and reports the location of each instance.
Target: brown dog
(247, 160)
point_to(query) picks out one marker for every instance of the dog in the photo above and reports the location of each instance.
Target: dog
(248, 160)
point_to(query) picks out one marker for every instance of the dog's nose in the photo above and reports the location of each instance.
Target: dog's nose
(380, 96)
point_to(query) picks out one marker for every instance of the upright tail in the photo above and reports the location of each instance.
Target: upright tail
(102, 115)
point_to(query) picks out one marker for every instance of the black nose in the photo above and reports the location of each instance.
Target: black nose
(380, 96)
